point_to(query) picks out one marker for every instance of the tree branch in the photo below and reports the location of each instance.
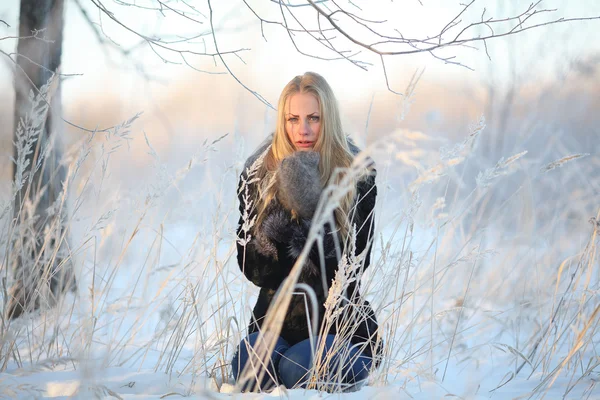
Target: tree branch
(256, 94)
(340, 35)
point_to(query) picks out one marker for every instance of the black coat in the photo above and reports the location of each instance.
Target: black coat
(269, 256)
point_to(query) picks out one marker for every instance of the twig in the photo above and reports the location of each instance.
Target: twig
(254, 93)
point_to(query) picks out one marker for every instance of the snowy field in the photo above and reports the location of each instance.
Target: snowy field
(484, 274)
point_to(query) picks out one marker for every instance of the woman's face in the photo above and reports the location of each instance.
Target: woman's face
(302, 120)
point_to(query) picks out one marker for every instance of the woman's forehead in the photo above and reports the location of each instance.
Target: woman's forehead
(302, 103)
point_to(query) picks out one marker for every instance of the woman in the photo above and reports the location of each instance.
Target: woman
(278, 192)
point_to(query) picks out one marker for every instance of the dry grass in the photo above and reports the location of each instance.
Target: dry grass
(469, 261)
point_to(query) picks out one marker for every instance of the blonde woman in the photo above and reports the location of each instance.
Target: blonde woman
(278, 192)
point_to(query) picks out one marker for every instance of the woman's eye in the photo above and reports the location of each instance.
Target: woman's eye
(293, 120)
(314, 118)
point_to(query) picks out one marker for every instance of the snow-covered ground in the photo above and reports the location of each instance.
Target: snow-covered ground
(485, 285)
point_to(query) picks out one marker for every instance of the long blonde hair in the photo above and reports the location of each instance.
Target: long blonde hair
(331, 144)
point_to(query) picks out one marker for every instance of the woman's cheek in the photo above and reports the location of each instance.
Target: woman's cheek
(317, 128)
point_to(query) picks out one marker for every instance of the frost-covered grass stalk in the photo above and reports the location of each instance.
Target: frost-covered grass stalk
(483, 272)
(32, 238)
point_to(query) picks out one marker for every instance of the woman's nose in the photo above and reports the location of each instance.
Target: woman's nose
(304, 127)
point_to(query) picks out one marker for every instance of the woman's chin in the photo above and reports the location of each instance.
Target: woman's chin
(310, 148)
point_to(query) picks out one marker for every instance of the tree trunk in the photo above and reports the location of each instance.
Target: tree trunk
(39, 256)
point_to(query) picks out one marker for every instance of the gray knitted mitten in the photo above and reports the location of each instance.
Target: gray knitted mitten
(299, 183)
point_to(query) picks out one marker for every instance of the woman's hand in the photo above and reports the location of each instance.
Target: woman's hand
(299, 183)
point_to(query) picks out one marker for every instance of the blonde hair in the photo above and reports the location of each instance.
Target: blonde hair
(331, 144)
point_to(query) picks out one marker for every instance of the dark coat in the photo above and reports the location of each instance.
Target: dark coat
(269, 256)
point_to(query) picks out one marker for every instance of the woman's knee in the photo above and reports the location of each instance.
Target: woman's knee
(345, 364)
(241, 354)
(297, 362)
(295, 365)
(359, 369)
(250, 347)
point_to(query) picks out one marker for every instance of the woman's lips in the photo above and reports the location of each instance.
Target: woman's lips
(305, 144)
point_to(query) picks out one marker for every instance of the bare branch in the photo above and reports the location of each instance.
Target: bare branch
(342, 30)
(426, 45)
(387, 82)
(296, 5)
(454, 21)
(486, 50)
(256, 94)
(193, 8)
(180, 13)
(450, 60)
(264, 21)
(35, 34)
(13, 57)
(157, 43)
(321, 40)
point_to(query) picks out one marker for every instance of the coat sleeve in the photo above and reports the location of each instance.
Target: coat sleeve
(262, 253)
(364, 216)
(367, 329)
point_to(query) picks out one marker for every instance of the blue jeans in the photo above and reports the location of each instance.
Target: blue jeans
(291, 365)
